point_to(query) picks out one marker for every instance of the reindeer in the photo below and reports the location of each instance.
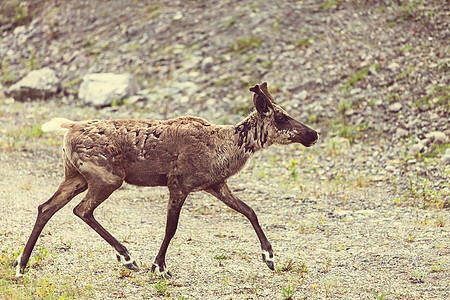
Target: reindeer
(186, 154)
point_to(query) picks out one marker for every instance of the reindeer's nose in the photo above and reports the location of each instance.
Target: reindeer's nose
(311, 138)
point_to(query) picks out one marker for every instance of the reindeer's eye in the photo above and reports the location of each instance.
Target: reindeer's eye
(280, 119)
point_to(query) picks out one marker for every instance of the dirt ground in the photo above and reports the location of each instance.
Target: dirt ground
(332, 238)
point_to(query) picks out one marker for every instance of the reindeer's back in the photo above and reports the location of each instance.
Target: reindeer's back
(146, 152)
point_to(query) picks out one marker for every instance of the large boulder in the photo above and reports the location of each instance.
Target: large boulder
(38, 84)
(102, 89)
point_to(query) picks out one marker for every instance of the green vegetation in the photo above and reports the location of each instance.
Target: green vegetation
(220, 258)
(329, 3)
(152, 11)
(72, 83)
(36, 287)
(360, 75)
(288, 292)
(422, 193)
(405, 73)
(303, 43)
(378, 296)
(409, 9)
(242, 108)
(233, 20)
(7, 77)
(32, 60)
(437, 95)
(162, 288)
(245, 44)
(13, 11)
(17, 138)
(276, 24)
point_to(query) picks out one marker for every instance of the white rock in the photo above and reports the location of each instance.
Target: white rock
(101, 89)
(393, 66)
(437, 137)
(395, 107)
(446, 157)
(303, 95)
(38, 84)
(401, 132)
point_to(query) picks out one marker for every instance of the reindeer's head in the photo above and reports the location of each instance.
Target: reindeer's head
(286, 130)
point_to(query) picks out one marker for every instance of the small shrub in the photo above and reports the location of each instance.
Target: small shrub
(162, 288)
(288, 292)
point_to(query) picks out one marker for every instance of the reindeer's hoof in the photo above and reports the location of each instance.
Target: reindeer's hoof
(129, 263)
(132, 266)
(268, 259)
(19, 269)
(162, 271)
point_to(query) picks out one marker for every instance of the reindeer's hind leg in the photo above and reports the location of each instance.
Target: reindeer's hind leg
(223, 193)
(72, 185)
(101, 185)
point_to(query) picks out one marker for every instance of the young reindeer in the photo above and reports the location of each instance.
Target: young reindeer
(186, 154)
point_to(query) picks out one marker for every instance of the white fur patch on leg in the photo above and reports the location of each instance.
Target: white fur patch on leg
(266, 256)
(18, 271)
(267, 259)
(130, 263)
(164, 274)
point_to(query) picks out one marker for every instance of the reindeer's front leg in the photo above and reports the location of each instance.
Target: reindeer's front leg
(222, 192)
(176, 201)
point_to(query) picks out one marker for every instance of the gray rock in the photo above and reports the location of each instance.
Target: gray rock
(417, 148)
(38, 84)
(395, 107)
(192, 62)
(303, 95)
(207, 64)
(101, 89)
(188, 88)
(401, 132)
(437, 137)
(446, 157)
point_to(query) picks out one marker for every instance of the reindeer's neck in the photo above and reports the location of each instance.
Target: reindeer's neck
(236, 150)
(251, 134)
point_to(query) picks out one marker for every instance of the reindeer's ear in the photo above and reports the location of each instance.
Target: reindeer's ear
(263, 104)
(255, 89)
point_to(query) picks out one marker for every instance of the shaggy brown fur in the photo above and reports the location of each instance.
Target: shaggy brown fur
(186, 154)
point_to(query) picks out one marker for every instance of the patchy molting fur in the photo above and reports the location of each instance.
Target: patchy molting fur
(142, 152)
(186, 154)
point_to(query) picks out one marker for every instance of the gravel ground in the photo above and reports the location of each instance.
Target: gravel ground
(362, 214)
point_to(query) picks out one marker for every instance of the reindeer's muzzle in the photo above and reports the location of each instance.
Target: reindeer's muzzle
(304, 135)
(310, 139)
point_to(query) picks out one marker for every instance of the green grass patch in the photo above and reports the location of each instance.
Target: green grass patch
(360, 75)
(36, 287)
(71, 83)
(233, 20)
(20, 138)
(437, 95)
(152, 11)
(7, 76)
(245, 44)
(303, 43)
(328, 4)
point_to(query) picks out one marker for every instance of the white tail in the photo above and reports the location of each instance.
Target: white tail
(56, 125)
